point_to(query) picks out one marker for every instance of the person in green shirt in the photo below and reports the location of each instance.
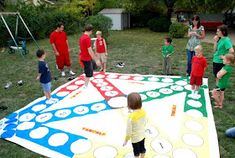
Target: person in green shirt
(222, 46)
(167, 51)
(223, 80)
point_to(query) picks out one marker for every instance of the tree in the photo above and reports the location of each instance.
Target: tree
(2, 5)
(170, 5)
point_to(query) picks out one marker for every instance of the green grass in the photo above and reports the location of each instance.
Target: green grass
(139, 49)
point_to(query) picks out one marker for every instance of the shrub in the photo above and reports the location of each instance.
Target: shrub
(177, 30)
(161, 24)
(99, 22)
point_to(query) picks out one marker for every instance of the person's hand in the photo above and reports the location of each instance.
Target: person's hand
(97, 62)
(106, 54)
(57, 53)
(38, 77)
(125, 142)
(222, 56)
(216, 38)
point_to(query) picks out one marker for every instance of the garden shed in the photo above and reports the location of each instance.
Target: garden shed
(120, 18)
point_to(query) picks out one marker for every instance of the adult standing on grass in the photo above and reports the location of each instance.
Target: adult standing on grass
(60, 45)
(86, 53)
(222, 46)
(196, 32)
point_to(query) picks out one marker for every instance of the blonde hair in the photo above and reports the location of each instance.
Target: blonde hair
(98, 33)
(199, 47)
(230, 57)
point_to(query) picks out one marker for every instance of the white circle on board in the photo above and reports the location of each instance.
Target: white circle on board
(161, 146)
(151, 132)
(153, 94)
(25, 125)
(192, 139)
(80, 146)
(105, 152)
(106, 88)
(111, 93)
(99, 80)
(161, 156)
(72, 87)
(63, 113)
(124, 77)
(166, 91)
(194, 113)
(118, 102)
(58, 139)
(99, 76)
(184, 152)
(194, 96)
(167, 80)
(81, 110)
(188, 87)
(62, 94)
(181, 83)
(39, 133)
(193, 125)
(38, 107)
(112, 76)
(143, 97)
(102, 84)
(138, 78)
(194, 103)
(27, 117)
(79, 82)
(44, 117)
(98, 107)
(177, 88)
(153, 79)
(129, 155)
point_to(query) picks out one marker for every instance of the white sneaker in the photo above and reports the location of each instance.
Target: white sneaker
(71, 72)
(50, 101)
(63, 74)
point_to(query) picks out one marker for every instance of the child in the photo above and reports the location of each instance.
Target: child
(199, 65)
(44, 75)
(223, 75)
(167, 51)
(101, 50)
(136, 125)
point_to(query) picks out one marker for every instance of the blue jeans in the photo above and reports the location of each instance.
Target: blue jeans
(230, 132)
(190, 55)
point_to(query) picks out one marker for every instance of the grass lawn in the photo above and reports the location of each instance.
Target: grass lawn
(139, 49)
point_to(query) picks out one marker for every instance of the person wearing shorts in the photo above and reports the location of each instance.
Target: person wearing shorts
(44, 76)
(199, 65)
(101, 50)
(86, 54)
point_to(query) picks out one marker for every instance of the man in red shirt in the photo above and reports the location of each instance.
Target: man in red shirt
(87, 54)
(60, 45)
(199, 65)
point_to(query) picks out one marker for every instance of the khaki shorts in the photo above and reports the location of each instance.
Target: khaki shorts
(102, 57)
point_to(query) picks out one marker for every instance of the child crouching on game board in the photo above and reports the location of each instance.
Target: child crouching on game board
(167, 51)
(223, 75)
(199, 65)
(44, 75)
(136, 125)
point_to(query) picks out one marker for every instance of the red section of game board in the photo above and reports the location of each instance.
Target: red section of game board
(64, 88)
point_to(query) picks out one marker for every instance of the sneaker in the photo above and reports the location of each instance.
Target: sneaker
(51, 101)
(62, 73)
(8, 85)
(71, 72)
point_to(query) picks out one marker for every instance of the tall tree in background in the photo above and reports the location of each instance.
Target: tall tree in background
(2, 5)
(170, 7)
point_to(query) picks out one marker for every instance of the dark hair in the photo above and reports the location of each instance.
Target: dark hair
(134, 101)
(88, 27)
(197, 18)
(168, 39)
(40, 53)
(223, 29)
(59, 24)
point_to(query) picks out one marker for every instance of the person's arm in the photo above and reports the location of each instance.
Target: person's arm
(203, 34)
(221, 73)
(38, 76)
(128, 131)
(231, 50)
(105, 46)
(67, 42)
(54, 49)
(216, 38)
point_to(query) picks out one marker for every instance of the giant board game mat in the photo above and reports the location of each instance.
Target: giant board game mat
(91, 122)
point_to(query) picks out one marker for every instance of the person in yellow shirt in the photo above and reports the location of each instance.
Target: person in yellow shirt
(136, 122)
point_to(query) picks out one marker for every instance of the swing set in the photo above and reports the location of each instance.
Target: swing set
(17, 44)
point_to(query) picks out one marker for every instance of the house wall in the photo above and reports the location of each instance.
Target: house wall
(116, 20)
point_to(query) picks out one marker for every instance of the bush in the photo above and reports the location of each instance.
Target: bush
(41, 21)
(161, 24)
(177, 30)
(99, 22)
